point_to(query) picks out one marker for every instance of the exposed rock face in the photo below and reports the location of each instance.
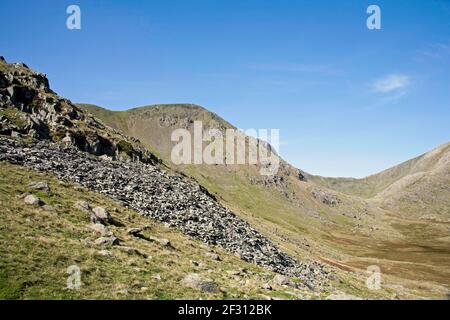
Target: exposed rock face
(29, 107)
(326, 198)
(164, 196)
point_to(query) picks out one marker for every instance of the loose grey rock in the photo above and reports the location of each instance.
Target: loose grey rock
(166, 197)
(101, 215)
(195, 281)
(163, 242)
(266, 286)
(32, 200)
(49, 208)
(106, 241)
(105, 253)
(283, 281)
(43, 186)
(213, 256)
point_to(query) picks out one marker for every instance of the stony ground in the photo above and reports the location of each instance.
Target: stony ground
(166, 197)
(40, 240)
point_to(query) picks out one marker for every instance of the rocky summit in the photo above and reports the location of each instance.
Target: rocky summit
(50, 134)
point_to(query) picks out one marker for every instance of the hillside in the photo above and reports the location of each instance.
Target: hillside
(47, 133)
(420, 186)
(299, 239)
(38, 243)
(333, 220)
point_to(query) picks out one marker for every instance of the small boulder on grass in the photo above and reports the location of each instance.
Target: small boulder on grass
(283, 281)
(41, 185)
(32, 200)
(100, 215)
(213, 256)
(105, 253)
(106, 241)
(162, 241)
(195, 281)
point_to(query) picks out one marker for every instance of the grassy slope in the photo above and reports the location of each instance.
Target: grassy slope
(37, 246)
(308, 228)
(436, 160)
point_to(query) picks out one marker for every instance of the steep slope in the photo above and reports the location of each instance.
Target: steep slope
(302, 213)
(283, 223)
(285, 199)
(50, 134)
(420, 186)
(38, 243)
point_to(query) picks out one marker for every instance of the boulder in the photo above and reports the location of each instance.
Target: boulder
(134, 231)
(106, 241)
(43, 186)
(343, 296)
(105, 253)
(195, 281)
(283, 281)
(213, 256)
(49, 208)
(163, 242)
(32, 200)
(100, 215)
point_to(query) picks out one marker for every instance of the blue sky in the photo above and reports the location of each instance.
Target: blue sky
(348, 101)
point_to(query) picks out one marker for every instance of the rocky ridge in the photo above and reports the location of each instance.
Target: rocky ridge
(28, 107)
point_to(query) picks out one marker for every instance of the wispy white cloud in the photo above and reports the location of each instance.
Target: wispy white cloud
(391, 83)
(439, 50)
(294, 67)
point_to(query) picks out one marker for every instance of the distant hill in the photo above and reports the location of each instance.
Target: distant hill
(420, 186)
(310, 215)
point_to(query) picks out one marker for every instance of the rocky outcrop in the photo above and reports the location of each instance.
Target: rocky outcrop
(164, 196)
(326, 197)
(28, 107)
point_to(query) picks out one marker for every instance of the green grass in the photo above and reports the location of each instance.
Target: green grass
(289, 223)
(37, 247)
(14, 116)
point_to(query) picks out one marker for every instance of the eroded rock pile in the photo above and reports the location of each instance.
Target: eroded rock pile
(164, 196)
